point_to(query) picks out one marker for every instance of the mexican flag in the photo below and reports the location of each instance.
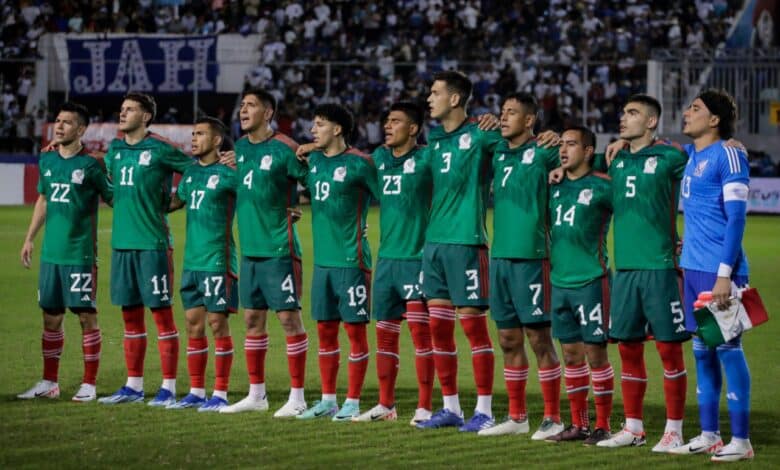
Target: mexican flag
(716, 326)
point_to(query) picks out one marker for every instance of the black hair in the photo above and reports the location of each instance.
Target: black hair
(79, 110)
(264, 96)
(648, 101)
(587, 135)
(526, 99)
(720, 103)
(147, 104)
(412, 110)
(338, 114)
(457, 83)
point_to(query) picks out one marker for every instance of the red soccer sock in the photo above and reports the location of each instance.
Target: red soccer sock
(387, 338)
(297, 346)
(633, 379)
(329, 355)
(223, 361)
(167, 341)
(577, 386)
(197, 357)
(90, 347)
(445, 353)
(482, 357)
(516, 379)
(603, 379)
(550, 383)
(419, 326)
(52, 342)
(675, 378)
(135, 340)
(255, 348)
(358, 358)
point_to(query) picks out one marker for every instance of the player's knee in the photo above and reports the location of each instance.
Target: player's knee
(540, 340)
(597, 355)
(219, 325)
(291, 322)
(573, 355)
(52, 320)
(511, 341)
(255, 322)
(88, 321)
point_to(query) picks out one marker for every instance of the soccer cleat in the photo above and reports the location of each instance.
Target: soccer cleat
(734, 452)
(321, 409)
(546, 429)
(163, 398)
(443, 418)
(670, 440)
(378, 413)
(510, 426)
(572, 433)
(248, 403)
(123, 395)
(291, 409)
(43, 389)
(348, 412)
(478, 422)
(86, 393)
(624, 438)
(420, 415)
(598, 435)
(189, 401)
(213, 404)
(702, 444)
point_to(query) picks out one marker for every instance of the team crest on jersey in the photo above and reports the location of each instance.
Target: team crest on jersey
(585, 196)
(700, 168)
(465, 141)
(620, 164)
(145, 158)
(48, 173)
(650, 165)
(265, 163)
(77, 177)
(528, 157)
(409, 166)
(501, 157)
(212, 182)
(340, 173)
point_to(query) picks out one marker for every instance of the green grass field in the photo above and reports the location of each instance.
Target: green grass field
(62, 434)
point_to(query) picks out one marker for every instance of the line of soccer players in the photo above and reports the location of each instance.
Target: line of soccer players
(546, 276)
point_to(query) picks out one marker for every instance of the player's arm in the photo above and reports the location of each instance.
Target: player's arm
(303, 151)
(37, 221)
(177, 160)
(370, 179)
(488, 122)
(102, 183)
(613, 149)
(179, 198)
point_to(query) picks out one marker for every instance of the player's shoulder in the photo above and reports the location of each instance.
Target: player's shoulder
(361, 155)
(160, 141)
(601, 176)
(667, 147)
(47, 156)
(723, 149)
(284, 140)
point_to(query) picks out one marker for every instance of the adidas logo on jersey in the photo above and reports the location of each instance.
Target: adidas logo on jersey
(189, 179)
(314, 169)
(437, 146)
(240, 159)
(620, 165)
(557, 193)
(537, 313)
(221, 301)
(362, 313)
(501, 157)
(598, 332)
(48, 173)
(680, 329)
(117, 156)
(382, 166)
(290, 299)
(473, 296)
(86, 298)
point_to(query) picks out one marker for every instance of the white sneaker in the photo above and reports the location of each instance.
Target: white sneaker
(43, 389)
(670, 440)
(378, 413)
(734, 451)
(546, 429)
(624, 438)
(87, 392)
(702, 444)
(509, 426)
(249, 403)
(420, 415)
(291, 409)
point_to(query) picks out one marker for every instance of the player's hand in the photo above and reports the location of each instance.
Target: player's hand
(26, 254)
(228, 158)
(613, 149)
(50, 147)
(555, 176)
(295, 214)
(304, 150)
(548, 139)
(488, 122)
(736, 144)
(721, 292)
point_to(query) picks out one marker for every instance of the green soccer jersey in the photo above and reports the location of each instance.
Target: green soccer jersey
(645, 193)
(268, 172)
(579, 221)
(404, 202)
(142, 175)
(71, 187)
(341, 189)
(460, 164)
(520, 200)
(209, 194)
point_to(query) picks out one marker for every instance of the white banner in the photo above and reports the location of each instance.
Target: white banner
(764, 195)
(11, 184)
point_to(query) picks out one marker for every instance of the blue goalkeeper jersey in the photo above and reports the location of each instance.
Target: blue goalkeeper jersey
(714, 191)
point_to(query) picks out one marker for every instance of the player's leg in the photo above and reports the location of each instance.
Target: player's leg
(603, 379)
(417, 318)
(91, 342)
(223, 358)
(577, 386)
(197, 348)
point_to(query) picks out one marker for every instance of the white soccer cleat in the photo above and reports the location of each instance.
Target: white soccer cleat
(509, 426)
(624, 438)
(546, 429)
(702, 444)
(420, 415)
(670, 440)
(43, 389)
(87, 392)
(291, 409)
(734, 451)
(378, 413)
(249, 403)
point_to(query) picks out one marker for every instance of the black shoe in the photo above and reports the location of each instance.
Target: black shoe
(598, 435)
(572, 433)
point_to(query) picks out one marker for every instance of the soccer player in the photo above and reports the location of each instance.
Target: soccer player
(645, 295)
(342, 181)
(404, 203)
(69, 184)
(519, 265)
(580, 209)
(455, 258)
(141, 166)
(270, 276)
(208, 286)
(714, 193)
